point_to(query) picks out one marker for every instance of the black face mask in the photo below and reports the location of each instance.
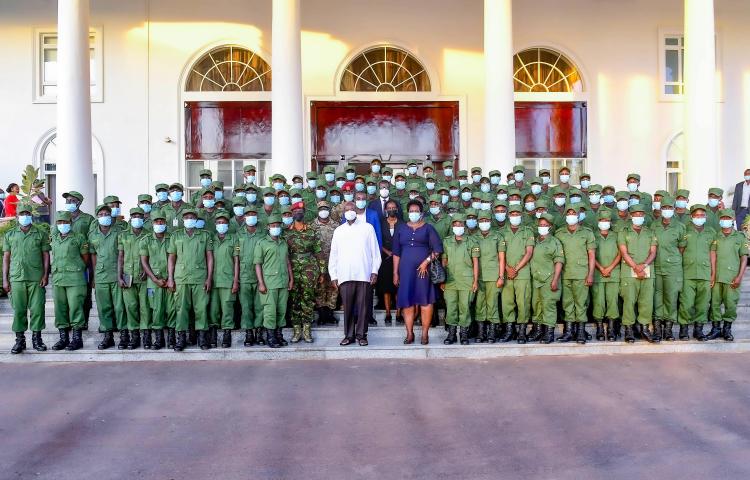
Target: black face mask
(392, 213)
(298, 217)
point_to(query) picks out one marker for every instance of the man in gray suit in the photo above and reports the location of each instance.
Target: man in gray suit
(741, 199)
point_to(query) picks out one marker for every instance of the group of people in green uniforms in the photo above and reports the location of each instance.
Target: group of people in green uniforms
(518, 252)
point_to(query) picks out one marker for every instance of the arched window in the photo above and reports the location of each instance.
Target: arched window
(544, 70)
(385, 69)
(675, 156)
(229, 68)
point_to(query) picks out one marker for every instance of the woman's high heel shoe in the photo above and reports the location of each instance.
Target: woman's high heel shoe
(409, 339)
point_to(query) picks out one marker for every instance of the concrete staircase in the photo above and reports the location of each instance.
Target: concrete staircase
(385, 342)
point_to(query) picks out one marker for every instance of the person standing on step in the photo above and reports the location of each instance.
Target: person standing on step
(103, 249)
(190, 272)
(70, 260)
(699, 273)
(308, 270)
(226, 280)
(325, 292)
(385, 287)
(605, 292)
(461, 261)
(153, 252)
(546, 268)
(516, 293)
(275, 280)
(731, 261)
(252, 310)
(25, 275)
(132, 279)
(81, 222)
(670, 237)
(492, 277)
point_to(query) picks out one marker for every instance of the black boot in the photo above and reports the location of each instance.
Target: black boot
(158, 339)
(38, 344)
(271, 339)
(20, 344)
(481, 333)
(667, 331)
(536, 333)
(599, 330)
(260, 337)
(629, 335)
(451, 338)
(647, 335)
(124, 339)
(521, 336)
(656, 332)
(181, 341)
(610, 330)
(637, 328)
(567, 334)
(108, 340)
(698, 332)
(63, 342)
(463, 333)
(226, 338)
(192, 336)
(279, 335)
(135, 339)
(203, 339)
(76, 342)
(548, 334)
(581, 333)
(726, 332)
(684, 335)
(146, 338)
(510, 333)
(388, 320)
(249, 337)
(171, 338)
(491, 332)
(213, 337)
(715, 331)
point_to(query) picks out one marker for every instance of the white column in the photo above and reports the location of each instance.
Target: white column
(499, 114)
(701, 162)
(74, 166)
(286, 92)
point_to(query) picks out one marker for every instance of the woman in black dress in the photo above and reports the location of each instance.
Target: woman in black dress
(385, 287)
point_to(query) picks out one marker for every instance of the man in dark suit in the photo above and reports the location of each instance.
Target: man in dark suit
(378, 205)
(741, 199)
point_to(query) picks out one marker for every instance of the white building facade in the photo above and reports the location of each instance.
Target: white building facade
(618, 87)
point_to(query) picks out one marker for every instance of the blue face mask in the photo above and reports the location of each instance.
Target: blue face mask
(160, 228)
(24, 220)
(448, 172)
(680, 203)
(429, 185)
(536, 189)
(116, 211)
(320, 194)
(375, 168)
(699, 221)
(200, 223)
(485, 187)
(250, 179)
(340, 183)
(190, 223)
(175, 196)
(63, 228)
(434, 210)
(371, 189)
(336, 198)
(495, 180)
(638, 221)
(278, 186)
(444, 199)
(269, 200)
(209, 203)
(412, 170)
(329, 177)
(726, 223)
(609, 198)
(287, 220)
(359, 187)
(162, 196)
(251, 220)
(575, 200)
(476, 178)
(414, 217)
(238, 210)
(312, 183)
(252, 197)
(632, 201)
(283, 201)
(222, 228)
(146, 207)
(104, 221)
(136, 222)
(348, 197)
(205, 182)
(219, 194)
(713, 202)
(360, 204)
(585, 183)
(387, 178)
(350, 176)
(471, 223)
(274, 231)
(400, 184)
(465, 196)
(622, 205)
(297, 185)
(71, 207)
(500, 216)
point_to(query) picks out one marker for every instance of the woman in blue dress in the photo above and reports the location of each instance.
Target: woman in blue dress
(414, 247)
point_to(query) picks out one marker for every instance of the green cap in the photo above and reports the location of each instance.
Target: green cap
(533, 180)
(137, 210)
(24, 206)
(518, 168)
(595, 188)
(251, 209)
(484, 215)
(311, 175)
(682, 193)
(249, 168)
(494, 173)
(435, 198)
(716, 191)
(661, 193)
(585, 175)
(275, 218)
(458, 217)
(221, 213)
(515, 208)
(238, 201)
(217, 185)
(697, 206)
(470, 212)
(637, 208)
(453, 206)
(622, 195)
(145, 197)
(329, 169)
(285, 209)
(415, 187)
(64, 215)
(500, 203)
(111, 199)
(604, 214)
(543, 171)
(634, 176)
(727, 212)
(158, 215)
(101, 207)
(189, 210)
(542, 203)
(667, 201)
(73, 194)
(324, 204)
(476, 169)
(161, 186)
(546, 216)
(177, 186)
(205, 172)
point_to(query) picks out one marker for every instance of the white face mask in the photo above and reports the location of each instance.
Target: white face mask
(564, 178)
(384, 192)
(350, 215)
(518, 176)
(595, 199)
(515, 220)
(543, 230)
(484, 226)
(604, 225)
(571, 219)
(667, 213)
(324, 214)
(458, 231)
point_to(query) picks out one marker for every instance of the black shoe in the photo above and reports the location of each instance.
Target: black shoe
(212, 337)
(399, 319)
(86, 324)
(647, 335)
(20, 344)
(481, 333)
(629, 335)
(698, 332)
(548, 334)
(510, 333)
(581, 335)
(271, 339)
(171, 338)
(373, 322)
(715, 331)
(124, 339)
(63, 342)
(279, 335)
(135, 339)
(567, 334)
(667, 332)
(684, 335)
(38, 344)
(451, 338)
(158, 339)
(536, 333)
(611, 330)
(600, 330)
(181, 341)
(108, 340)
(463, 333)
(637, 331)
(521, 335)
(226, 338)
(192, 337)
(203, 339)
(656, 332)
(249, 337)
(726, 332)
(260, 336)
(76, 341)
(491, 332)
(388, 320)
(146, 338)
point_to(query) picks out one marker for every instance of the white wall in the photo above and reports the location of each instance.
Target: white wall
(615, 42)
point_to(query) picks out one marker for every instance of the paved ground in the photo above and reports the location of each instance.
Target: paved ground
(676, 416)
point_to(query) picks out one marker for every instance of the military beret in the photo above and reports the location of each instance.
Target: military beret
(637, 208)
(604, 214)
(111, 199)
(63, 215)
(298, 206)
(682, 193)
(177, 186)
(161, 186)
(136, 211)
(251, 209)
(239, 201)
(145, 197)
(275, 218)
(667, 201)
(549, 218)
(101, 207)
(727, 212)
(696, 207)
(324, 204)
(458, 217)
(158, 215)
(221, 213)
(249, 168)
(470, 212)
(515, 208)
(205, 172)
(634, 176)
(518, 168)
(716, 191)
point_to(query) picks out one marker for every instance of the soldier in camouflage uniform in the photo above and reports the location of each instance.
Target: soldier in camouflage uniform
(325, 293)
(308, 265)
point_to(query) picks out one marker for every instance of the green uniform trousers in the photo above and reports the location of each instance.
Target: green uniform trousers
(722, 293)
(694, 298)
(161, 302)
(191, 299)
(69, 306)
(457, 307)
(222, 308)
(666, 292)
(487, 305)
(27, 300)
(516, 298)
(605, 297)
(638, 293)
(252, 310)
(575, 300)
(110, 306)
(137, 310)
(274, 307)
(545, 303)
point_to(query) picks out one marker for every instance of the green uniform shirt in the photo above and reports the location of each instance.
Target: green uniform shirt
(490, 246)
(156, 250)
(26, 249)
(246, 242)
(190, 266)
(68, 268)
(712, 218)
(272, 256)
(670, 239)
(460, 269)
(80, 224)
(442, 225)
(128, 243)
(547, 253)
(515, 247)
(174, 215)
(606, 252)
(224, 252)
(638, 245)
(105, 247)
(696, 259)
(576, 246)
(729, 249)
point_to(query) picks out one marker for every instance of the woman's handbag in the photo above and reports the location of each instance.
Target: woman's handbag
(437, 271)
